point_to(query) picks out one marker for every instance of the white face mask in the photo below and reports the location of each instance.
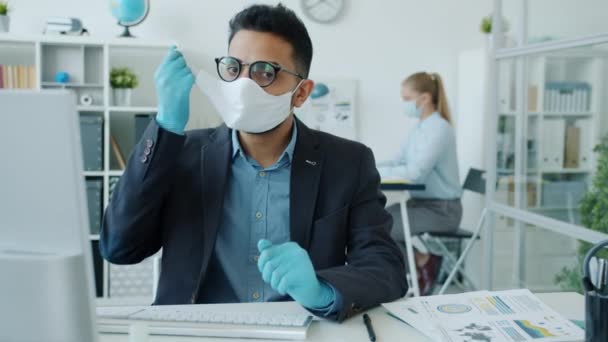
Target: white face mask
(244, 105)
(411, 109)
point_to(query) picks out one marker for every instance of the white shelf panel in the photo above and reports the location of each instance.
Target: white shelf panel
(91, 108)
(507, 171)
(509, 113)
(94, 237)
(71, 85)
(566, 171)
(84, 40)
(115, 173)
(568, 114)
(93, 173)
(133, 109)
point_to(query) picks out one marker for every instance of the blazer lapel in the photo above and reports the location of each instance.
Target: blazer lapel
(304, 186)
(215, 162)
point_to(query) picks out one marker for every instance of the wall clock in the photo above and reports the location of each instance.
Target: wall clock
(323, 11)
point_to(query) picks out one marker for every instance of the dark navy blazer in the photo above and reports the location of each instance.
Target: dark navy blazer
(171, 195)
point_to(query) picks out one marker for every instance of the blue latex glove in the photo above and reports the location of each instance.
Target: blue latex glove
(288, 270)
(174, 81)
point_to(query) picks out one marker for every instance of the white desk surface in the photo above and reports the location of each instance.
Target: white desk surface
(570, 305)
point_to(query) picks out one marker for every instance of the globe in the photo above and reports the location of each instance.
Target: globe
(129, 13)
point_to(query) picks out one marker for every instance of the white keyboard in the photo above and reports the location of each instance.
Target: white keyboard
(208, 321)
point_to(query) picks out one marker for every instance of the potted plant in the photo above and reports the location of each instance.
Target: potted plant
(486, 28)
(593, 208)
(122, 81)
(4, 18)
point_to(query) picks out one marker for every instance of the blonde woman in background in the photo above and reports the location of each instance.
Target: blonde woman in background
(428, 156)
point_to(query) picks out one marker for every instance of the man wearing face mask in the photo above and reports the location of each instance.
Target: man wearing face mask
(261, 208)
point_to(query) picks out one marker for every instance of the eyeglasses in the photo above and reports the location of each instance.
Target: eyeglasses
(261, 72)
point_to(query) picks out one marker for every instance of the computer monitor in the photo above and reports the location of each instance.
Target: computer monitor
(46, 275)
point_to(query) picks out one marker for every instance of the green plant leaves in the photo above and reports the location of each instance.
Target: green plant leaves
(594, 215)
(3, 8)
(123, 78)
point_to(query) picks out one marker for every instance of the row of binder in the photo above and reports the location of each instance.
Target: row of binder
(17, 76)
(563, 144)
(567, 97)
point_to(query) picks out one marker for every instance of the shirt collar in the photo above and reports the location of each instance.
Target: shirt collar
(236, 145)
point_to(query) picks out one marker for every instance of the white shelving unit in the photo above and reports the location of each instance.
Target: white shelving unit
(88, 61)
(545, 154)
(590, 66)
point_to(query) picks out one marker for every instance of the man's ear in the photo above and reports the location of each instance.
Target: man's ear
(303, 93)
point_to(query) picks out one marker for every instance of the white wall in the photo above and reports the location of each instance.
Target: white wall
(377, 42)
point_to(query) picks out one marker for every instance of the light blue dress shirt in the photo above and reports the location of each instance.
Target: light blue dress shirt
(256, 206)
(428, 156)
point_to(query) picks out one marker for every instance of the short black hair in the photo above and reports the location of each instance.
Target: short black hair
(281, 21)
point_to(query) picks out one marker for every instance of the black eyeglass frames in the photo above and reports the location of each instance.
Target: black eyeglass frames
(261, 72)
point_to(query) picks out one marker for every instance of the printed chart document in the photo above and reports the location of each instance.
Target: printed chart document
(511, 316)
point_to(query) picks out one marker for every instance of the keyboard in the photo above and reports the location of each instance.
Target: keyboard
(263, 321)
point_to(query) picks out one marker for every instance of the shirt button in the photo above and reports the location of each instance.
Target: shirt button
(258, 215)
(262, 174)
(255, 295)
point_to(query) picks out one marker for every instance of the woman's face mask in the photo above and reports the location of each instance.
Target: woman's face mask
(244, 105)
(411, 109)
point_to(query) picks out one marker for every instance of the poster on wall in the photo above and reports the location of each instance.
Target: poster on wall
(331, 108)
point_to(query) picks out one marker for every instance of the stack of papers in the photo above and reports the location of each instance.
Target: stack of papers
(513, 316)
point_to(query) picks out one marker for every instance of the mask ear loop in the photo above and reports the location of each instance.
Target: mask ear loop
(293, 93)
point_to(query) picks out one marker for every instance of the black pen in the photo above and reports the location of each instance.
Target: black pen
(370, 329)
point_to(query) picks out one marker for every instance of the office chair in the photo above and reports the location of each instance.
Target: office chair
(476, 183)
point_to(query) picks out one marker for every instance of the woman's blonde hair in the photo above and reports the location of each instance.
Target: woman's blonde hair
(424, 82)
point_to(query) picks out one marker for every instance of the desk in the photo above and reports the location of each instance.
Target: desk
(404, 188)
(388, 329)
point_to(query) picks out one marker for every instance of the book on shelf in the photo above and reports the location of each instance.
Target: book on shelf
(17, 76)
(573, 143)
(117, 153)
